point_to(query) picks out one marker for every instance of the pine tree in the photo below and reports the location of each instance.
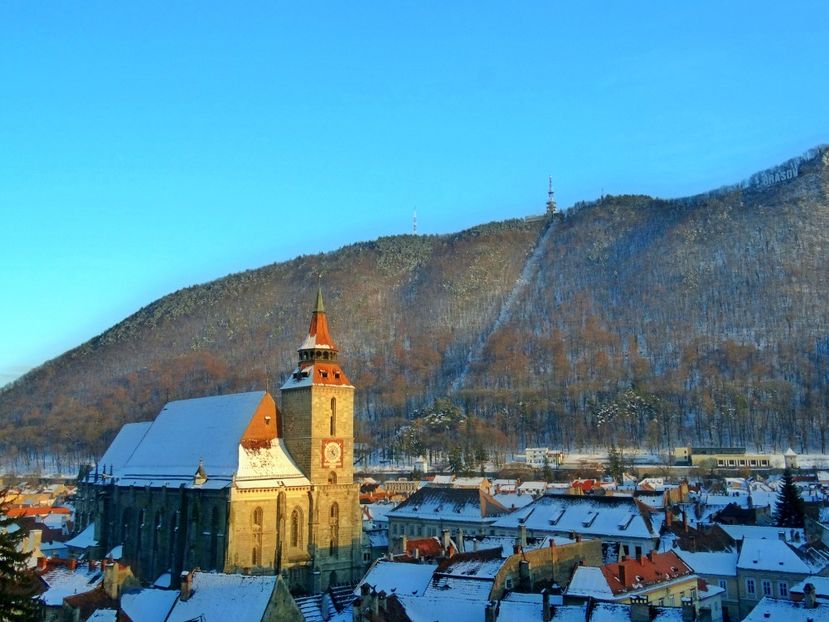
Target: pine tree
(16, 604)
(615, 466)
(456, 464)
(546, 470)
(789, 511)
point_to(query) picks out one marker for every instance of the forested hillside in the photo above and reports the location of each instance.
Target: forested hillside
(642, 321)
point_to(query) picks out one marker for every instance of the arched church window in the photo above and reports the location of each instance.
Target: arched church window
(332, 478)
(258, 517)
(125, 524)
(333, 419)
(334, 524)
(296, 528)
(157, 526)
(255, 557)
(214, 537)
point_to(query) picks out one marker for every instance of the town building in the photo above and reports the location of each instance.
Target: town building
(624, 526)
(234, 483)
(662, 578)
(432, 509)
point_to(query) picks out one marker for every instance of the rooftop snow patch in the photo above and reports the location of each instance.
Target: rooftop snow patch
(216, 597)
(185, 432)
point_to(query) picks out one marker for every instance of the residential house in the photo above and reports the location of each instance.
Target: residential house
(625, 526)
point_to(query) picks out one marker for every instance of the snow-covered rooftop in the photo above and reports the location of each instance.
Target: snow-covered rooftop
(596, 516)
(719, 563)
(64, 582)
(589, 581)
(779, 609)
(123, 446)
(85, 539)
(148, 605)
(449, 505)
(219, 597)
(398, 578)
(737, 532)
(770, 555)
(187, 432)
(437, 608)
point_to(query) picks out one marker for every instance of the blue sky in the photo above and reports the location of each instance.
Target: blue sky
(145, 147)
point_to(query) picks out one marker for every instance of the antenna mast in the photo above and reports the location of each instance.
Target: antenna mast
(551, 200)
(414, 223)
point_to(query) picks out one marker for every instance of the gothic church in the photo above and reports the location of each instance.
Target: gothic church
(233, 483)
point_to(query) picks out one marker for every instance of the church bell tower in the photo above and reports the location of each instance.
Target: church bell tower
(318, 408)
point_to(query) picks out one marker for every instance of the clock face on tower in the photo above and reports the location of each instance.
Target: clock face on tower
(332, 452)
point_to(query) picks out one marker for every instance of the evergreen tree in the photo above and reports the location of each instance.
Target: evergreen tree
(546, 470)
(789, 511)
(456, 465)
(16, 604)
(615, 466)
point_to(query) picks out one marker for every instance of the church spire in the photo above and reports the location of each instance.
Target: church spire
(318, 345)
(319, 307)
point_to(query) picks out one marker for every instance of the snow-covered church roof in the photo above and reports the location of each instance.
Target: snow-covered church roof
(204, 436)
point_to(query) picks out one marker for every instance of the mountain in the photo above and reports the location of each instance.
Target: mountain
(631, 318)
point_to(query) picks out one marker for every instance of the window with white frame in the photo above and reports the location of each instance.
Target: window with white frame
(766, 587)
(751, 588)
(724, 585)
(783, 589)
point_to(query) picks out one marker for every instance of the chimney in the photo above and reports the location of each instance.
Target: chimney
(650, 556)
(186, 585)
(685, 521)
(491, 612)
(445, 541)
(42, 563)
(404, 543)
(781, 535)
(640, 609)
(461, 544)
(578, 537)
(522, 535)
(669, 518)
(381, 601)
(689, 612)
(524, 575)
(72, 564)
(545, 605)
(373, 605)
(809, 596)
(474, 544)
(417, 552)
(91, 565)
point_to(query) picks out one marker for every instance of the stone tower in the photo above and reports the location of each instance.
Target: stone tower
(318, 408)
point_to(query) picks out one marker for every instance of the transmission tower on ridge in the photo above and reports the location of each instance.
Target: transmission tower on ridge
(551, 199)
(414, 223)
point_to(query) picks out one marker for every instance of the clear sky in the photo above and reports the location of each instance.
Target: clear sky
(149, 146)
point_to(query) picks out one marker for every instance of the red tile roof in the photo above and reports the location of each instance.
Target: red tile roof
(654, 568)
(37, 511)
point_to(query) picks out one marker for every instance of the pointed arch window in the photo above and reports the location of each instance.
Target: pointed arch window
(333, 420)
(296, 528)
(334, 525)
